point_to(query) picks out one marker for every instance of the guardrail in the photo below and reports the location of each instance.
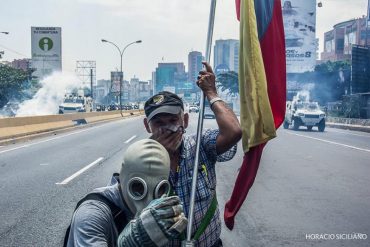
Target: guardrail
(14, 127)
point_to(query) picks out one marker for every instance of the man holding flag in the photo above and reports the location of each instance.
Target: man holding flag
(166, 121)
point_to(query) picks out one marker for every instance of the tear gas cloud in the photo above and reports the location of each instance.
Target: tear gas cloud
(48, 98)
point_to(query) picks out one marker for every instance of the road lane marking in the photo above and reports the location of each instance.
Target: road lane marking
(331, 142)
(44, 164)
(78, 173)
(133, 137)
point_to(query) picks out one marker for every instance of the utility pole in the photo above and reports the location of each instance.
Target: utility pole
(91, 87)
(367, 21)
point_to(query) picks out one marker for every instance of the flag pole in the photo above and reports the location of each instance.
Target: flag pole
(188, 241)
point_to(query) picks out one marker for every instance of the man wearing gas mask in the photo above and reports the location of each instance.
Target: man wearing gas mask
(166, 122)
(135, 209)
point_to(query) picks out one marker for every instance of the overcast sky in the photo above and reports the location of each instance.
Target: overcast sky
(169, 29)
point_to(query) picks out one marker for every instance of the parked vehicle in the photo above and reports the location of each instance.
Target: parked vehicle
(193, 108)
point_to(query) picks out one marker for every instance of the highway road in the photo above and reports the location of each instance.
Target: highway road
(309, 183)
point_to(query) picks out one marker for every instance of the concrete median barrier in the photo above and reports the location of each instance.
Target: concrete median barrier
(16, 127)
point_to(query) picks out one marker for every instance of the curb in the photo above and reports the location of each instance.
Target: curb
(349, 127)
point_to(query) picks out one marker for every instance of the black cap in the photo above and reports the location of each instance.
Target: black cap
(163, 102)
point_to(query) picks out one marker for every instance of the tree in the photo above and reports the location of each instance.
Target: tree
(12, 83)
(229, 81)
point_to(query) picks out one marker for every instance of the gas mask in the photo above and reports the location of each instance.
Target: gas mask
(144, 174)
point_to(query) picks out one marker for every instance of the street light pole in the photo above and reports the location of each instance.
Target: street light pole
(121, 71)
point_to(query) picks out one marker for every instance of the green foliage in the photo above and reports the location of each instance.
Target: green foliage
(330, 66)
(352, 106)
(229, 81)
(12, 83)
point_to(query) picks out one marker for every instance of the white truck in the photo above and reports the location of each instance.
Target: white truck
(73, 103)
(304, 113)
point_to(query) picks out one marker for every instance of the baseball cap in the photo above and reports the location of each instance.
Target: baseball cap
(163, 102)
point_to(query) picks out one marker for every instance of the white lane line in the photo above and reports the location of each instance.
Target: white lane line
(133, 137)
(44, 164)
(51, 139)
(78, 173)
(331, 142)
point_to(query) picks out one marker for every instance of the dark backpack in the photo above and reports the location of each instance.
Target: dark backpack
(119, 216)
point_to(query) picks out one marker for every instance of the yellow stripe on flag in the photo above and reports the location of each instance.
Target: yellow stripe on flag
(256, 117)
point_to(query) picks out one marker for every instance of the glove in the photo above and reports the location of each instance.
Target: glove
(163, 219)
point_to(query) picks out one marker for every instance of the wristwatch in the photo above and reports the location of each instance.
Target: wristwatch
(214, 100)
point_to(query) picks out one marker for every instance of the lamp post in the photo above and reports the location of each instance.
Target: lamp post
(121, 72)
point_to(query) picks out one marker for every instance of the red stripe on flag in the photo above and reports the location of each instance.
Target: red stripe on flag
(237, 4)
(243, 183)
(273, 52)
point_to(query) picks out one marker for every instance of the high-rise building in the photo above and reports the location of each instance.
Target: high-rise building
(167, 76)
(195, 59)
(226, 55)
(102, 90)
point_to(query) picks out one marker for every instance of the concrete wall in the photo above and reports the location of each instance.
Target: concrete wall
(20, 126)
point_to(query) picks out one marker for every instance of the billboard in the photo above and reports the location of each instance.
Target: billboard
(115, 81)
(360, 69)
(299, 18)
(46, 48)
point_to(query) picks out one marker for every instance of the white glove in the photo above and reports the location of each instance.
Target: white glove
(163, 219)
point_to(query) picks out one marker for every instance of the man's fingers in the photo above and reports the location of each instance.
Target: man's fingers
(167, 201)
(169, 212)
(179, 226)
(208, 67)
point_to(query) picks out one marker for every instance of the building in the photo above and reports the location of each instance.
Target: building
(169, 75)
(338, 42)
(102, 90)
(226, 55)
(23, 64)
(195, 59)
(153, 81)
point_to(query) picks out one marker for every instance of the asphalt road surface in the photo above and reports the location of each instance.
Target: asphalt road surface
(309, 183)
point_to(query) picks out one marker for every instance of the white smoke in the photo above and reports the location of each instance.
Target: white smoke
(48, 98)
(303, 96)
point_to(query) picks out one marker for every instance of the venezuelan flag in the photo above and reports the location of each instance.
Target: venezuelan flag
(262, 89)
